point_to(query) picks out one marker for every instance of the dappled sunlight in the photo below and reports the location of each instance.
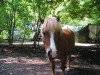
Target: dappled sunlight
(21, 65)
(24, 60)
(24, 65)
(43, 73)
(84, 44)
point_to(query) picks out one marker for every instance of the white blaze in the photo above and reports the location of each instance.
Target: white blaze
(52, 45)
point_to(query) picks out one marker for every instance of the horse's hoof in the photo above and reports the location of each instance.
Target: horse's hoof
(69, 69)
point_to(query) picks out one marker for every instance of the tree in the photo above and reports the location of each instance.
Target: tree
(20, 13)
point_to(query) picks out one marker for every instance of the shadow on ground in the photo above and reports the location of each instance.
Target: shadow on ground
(19, 63)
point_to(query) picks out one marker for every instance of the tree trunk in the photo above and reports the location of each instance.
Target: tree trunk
(11, 27)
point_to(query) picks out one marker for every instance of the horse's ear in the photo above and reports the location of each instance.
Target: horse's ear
(41, 20)
(58, 18)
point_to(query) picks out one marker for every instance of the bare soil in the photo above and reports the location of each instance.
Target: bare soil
(32, 61)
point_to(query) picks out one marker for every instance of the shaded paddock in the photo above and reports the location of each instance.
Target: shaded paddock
(32, 61)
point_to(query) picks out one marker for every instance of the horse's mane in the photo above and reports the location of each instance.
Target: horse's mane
(51, 24)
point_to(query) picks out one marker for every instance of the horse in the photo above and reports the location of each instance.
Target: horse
(58, 42)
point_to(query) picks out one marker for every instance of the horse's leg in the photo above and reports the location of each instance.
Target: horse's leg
(63, 63)
(68, 62)
(52, 66)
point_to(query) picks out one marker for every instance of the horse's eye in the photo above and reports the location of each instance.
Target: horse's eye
(44, 33)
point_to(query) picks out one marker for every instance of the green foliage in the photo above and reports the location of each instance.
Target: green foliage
(19, 13)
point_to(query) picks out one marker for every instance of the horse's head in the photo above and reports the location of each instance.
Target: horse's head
(49, 27)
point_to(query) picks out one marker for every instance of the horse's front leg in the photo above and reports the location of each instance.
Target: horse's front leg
(63, 63)
(52, 66)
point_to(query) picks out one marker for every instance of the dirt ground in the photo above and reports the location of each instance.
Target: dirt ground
(15, 62)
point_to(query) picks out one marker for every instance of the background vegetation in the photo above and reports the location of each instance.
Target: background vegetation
(16, 16)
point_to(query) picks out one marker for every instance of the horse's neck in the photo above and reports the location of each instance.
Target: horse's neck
(58, 39)
(58, 34)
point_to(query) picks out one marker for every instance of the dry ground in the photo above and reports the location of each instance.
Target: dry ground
(35, 63)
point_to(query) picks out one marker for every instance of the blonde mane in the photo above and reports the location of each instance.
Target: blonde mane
(51, 24)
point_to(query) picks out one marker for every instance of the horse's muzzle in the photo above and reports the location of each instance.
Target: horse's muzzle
(49, 53)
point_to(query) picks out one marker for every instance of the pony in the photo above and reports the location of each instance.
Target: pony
(58, 42)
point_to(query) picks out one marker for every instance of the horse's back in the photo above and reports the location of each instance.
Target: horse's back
(65, 41)
(69, 38)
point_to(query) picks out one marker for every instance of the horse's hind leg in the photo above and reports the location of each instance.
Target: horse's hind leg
(68, 62)
(63, 63)
(52, 66)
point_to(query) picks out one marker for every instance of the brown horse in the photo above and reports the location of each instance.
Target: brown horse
(58, 42)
